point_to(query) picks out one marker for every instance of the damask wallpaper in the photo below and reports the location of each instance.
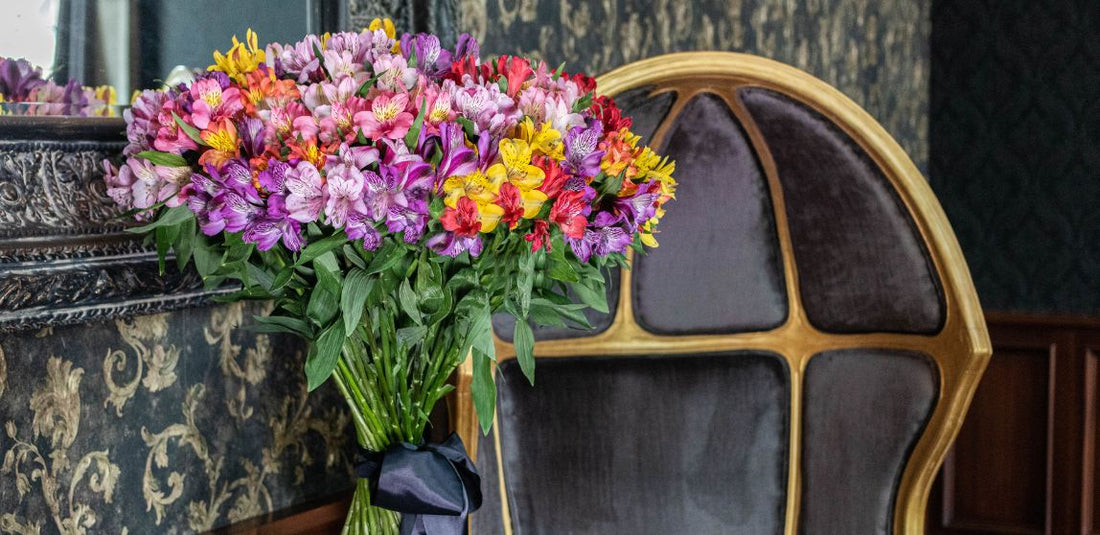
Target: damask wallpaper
(1015, 147)
(875, 51)
(170, 423)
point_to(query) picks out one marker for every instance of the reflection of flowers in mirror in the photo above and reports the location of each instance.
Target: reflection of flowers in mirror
(24, 91)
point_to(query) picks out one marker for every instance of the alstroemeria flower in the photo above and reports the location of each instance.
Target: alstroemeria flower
(394, 73)
(307, 197)
(221, 136)
(345, 194)
(515, 71)
(570, 213)
(431, 59)
(539, 236)
(515, 167)
(211, 102)
(474, 186)
(387, 117)
(456, 157)
(581, 157)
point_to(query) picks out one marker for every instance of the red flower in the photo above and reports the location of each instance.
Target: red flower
(583, 81)
(515, 70)
(539, 236)
(468, 65)
(567, 214)
(604, 109)
(510, 200)
(462, 219)
(555, 177)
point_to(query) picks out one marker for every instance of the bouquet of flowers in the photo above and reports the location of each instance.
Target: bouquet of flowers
(23, 91)
(390, 195)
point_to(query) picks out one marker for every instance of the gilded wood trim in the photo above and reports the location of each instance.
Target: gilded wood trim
(961, 349)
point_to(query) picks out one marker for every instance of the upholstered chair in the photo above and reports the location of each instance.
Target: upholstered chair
(795, 357)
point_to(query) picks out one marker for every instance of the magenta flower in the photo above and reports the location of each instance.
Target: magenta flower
(457, 158)
(387, 118)
(307, 197)
(212, 102)
(267, 231)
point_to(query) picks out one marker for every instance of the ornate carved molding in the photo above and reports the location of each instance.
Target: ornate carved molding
(64, 255)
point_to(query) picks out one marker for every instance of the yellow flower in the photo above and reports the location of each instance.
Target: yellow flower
(386, 25)
(240, 60)
(489, 215)
(662, 172)
(474, 185)
(546, 140)
(515, 166)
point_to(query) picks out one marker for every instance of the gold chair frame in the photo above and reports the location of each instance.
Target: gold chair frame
(961, 349)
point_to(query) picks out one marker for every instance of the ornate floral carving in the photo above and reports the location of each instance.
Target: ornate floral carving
(56, 406)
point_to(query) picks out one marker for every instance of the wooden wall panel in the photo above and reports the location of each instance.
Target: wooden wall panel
(1025, 459)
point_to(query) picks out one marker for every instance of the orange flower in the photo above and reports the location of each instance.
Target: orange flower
(221, 137)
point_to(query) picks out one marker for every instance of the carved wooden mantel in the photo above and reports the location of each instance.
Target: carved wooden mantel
(65, 257)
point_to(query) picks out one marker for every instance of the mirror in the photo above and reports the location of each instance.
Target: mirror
(87, 57)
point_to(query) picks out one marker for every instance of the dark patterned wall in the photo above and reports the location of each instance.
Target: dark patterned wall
(875, 51)
(169, 423)
(1015, 147)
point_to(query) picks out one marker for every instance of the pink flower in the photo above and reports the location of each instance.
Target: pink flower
(345, 194)
(211, 102)
(394, 73)
(387, 117)
(341, 65)
(307, 195)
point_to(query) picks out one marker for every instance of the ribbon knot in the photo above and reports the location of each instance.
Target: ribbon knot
(433, 486)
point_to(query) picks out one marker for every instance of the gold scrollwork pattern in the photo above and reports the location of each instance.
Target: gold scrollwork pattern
(168, 457)
(156, 360)
(56, 408)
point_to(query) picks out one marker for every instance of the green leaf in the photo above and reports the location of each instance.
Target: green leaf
(191, 131)
(321, 59)
(386, 258)
(480, 329)
(353, 298)
(327, 270)
(524, 281)
(207, 257)
(324, 354)
(323, 305)
(413, 134)
(468, 127)
(353, 257)
(558, 71)
(169, 217)
(163, 158)
(484, 390)
(411, 335)
(164, 242)
(365, 88)
(321, 247)
(409, 302)
(524, 340)
(185, 243)
(593, 297)
(284, 324)
(582, 103)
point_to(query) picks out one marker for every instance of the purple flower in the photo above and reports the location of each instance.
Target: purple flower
(267, 231)
(640, 207)
(359, 227)
(298, 60)
(18, 78)
(450, 244)
(345, 194)
(489, 108)
(602, 237)
(467, 46)
(252, 133)
(306, 192)
(458, 159)
(581, 157)
(273, 179)
(398, 195)
(142, 121)
(431, 59)
(205, 198)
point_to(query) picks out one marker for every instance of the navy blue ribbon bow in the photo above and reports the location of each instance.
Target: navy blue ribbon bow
(433, 486)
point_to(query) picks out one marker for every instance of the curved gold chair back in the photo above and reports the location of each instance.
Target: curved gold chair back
(804, 234)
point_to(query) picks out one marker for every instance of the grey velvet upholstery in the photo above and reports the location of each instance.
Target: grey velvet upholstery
(863, 411)
(701, 449)
(861, 263)
(700, 443)
(705, 245)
